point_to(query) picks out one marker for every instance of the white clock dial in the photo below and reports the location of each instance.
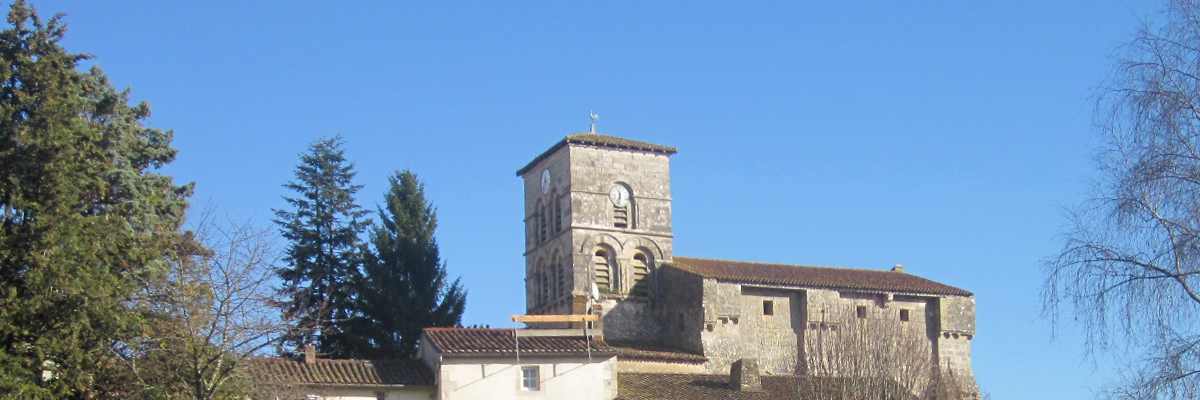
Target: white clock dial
(619, 196)
(545, 181)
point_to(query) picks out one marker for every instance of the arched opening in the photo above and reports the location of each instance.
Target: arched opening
(605, 271)
(641, 271)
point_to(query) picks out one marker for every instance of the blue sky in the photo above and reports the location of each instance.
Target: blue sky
(944, 135)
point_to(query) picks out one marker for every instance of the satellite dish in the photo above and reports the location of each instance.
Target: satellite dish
(595, 292)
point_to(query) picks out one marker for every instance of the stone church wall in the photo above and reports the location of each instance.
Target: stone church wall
(956, 316)
(680, 311)
(629, 320)
(596, 170)
(736, 326)
(772, 335)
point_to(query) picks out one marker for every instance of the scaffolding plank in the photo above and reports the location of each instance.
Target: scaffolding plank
(556, 318)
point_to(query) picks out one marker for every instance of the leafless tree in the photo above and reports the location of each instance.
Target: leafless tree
(1129, 268)
(205, 316)
(853, 359)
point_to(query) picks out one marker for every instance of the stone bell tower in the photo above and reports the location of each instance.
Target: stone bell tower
(598, 213)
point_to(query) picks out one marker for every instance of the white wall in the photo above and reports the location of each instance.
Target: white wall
(495, 378)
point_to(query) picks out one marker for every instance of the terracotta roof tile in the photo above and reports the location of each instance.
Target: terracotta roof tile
(343, 372)
(645, 352)
(710, 387)
(632, 386)
(835, 278)
(596, 139)
(475, 341)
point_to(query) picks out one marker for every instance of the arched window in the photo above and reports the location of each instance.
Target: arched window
(603, 268)
(641, 269)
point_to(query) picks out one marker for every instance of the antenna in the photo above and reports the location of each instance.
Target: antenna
(595, 117)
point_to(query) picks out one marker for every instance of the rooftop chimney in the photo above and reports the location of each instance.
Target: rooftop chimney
(743, 376)
(898, 268)
(310, 354)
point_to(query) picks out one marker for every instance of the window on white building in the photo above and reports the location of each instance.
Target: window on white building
(529, 378)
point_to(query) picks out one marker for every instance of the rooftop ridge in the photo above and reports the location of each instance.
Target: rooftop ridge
(596, 139)
(774, 263)
(827, 277)
(500, 341)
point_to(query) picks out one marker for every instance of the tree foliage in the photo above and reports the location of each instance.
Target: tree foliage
(1130, 267)
(405, 288)
(324, 254)
(82, 214)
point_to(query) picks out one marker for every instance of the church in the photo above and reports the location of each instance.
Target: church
(612, 312)
(598, 239)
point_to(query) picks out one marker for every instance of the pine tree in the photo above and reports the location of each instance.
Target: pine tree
(324, 254)
(83, 217)
(405, 288)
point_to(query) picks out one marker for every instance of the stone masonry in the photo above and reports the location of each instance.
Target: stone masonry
(584, 236)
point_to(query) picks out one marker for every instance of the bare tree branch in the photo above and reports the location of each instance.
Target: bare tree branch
(1130, 265)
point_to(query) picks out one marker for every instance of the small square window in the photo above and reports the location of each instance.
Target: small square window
(862, 312)
(768, 307)
(904, 315)
(529, 378)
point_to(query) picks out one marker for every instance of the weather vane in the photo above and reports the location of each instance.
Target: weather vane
(595, 117)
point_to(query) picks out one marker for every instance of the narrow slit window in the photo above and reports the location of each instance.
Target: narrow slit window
(862, 312)
(558, 216)
(542, 223)
(904, 315)
(768, 307)
(564, 278)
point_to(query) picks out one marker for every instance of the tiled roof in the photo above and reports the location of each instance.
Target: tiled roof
(835, 278)
(343, 372)
(475, 341)
(596, 139)
(644, 352)
(633, 386)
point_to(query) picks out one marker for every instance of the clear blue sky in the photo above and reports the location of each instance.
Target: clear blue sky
(943, 135)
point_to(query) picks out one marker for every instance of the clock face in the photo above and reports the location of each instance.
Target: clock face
(545, 181)
(619, 195)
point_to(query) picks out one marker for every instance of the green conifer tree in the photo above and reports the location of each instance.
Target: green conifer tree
(405, 288)
(83, 217)
(324, 255)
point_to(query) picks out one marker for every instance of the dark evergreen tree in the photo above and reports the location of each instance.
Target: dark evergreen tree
(84, 220)
(324, 255)
(405, 288)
